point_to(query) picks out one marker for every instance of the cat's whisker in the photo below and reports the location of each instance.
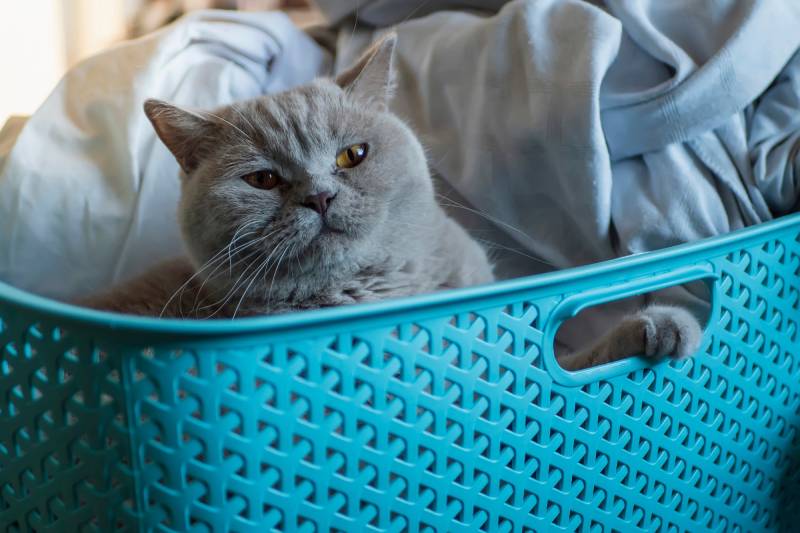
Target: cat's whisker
(277, 266)
(216, 257)
(239, 283)
(233, 251)
(514, 250)
(231, 263)
(180, 290)
(438, 162)
(239, 248)
(355, 20)
(454, 203)
(245, 137)
(236, 263)
(220, 304)
(235, 107)
(420, 6)
(236, 236)
(266, 273)
(264, 266)
(412, 225)
(297, 260)
(247, 289)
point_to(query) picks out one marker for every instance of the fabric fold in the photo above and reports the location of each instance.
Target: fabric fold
(88, 194)
(604, 128)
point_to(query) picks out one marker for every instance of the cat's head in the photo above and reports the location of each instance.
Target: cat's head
(320, 178)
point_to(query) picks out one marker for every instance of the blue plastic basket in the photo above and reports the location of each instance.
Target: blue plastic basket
(436, 413)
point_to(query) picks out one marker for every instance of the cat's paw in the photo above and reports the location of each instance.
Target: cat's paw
(669, 331)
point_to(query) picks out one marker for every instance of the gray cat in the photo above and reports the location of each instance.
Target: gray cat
(311, 198)
(320, 197)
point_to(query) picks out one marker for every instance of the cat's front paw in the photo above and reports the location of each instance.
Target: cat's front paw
(669, 331)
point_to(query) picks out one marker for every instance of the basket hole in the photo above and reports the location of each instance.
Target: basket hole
(659, 322)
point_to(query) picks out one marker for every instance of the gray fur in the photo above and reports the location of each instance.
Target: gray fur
(656, 331)
(383, 236)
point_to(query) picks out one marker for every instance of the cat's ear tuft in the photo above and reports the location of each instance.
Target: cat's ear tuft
(181, 130)
(372, 78)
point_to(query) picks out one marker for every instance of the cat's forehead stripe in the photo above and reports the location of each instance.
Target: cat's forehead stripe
(317, 112)
(294, 126)
(274, 131)
(263, 113)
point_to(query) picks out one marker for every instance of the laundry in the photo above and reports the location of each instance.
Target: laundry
(582, 131)
(88, 195)
(601, 129)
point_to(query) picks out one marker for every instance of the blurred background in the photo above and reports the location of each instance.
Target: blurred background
(40, 39)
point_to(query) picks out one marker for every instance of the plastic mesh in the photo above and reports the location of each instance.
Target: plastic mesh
(64, 444)
(449, 421)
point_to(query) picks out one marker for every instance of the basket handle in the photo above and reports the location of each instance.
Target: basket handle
(574, 304)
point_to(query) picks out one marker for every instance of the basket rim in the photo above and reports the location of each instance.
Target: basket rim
(480, 295)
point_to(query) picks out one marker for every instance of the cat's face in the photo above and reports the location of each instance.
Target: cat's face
(319, 178)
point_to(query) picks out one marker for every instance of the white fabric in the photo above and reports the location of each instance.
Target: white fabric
(88, 194)
(600, 128)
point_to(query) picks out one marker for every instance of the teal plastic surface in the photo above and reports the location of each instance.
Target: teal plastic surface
(443, 412)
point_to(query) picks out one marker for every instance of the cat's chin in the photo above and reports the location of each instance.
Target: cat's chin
(327, 230)
(324, 233)
(320, 240)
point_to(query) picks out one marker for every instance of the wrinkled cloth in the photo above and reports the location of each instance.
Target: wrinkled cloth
(88, 195)
(580, 130)
(599, 128)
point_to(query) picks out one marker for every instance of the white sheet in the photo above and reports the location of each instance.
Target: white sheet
(87, 194)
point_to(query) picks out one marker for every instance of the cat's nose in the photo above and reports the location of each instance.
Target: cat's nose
(319, 202)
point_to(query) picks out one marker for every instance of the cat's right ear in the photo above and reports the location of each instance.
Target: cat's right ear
(182, 131)
(372, 78)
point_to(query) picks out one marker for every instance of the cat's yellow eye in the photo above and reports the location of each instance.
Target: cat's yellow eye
(352, 156)
(263, 179)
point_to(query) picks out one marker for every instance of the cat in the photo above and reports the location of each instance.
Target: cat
(320, 197)
(315, 197)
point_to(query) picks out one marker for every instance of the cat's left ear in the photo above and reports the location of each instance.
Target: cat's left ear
(372, 78)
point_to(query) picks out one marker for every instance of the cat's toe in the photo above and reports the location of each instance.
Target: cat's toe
(670, 331)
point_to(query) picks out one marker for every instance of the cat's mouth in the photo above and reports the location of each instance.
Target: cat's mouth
(327, 229)
(328, 226)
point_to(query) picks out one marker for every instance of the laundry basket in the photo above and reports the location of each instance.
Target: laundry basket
(445, 412)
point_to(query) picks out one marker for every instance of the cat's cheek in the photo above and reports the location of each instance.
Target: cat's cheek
(372, 183)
